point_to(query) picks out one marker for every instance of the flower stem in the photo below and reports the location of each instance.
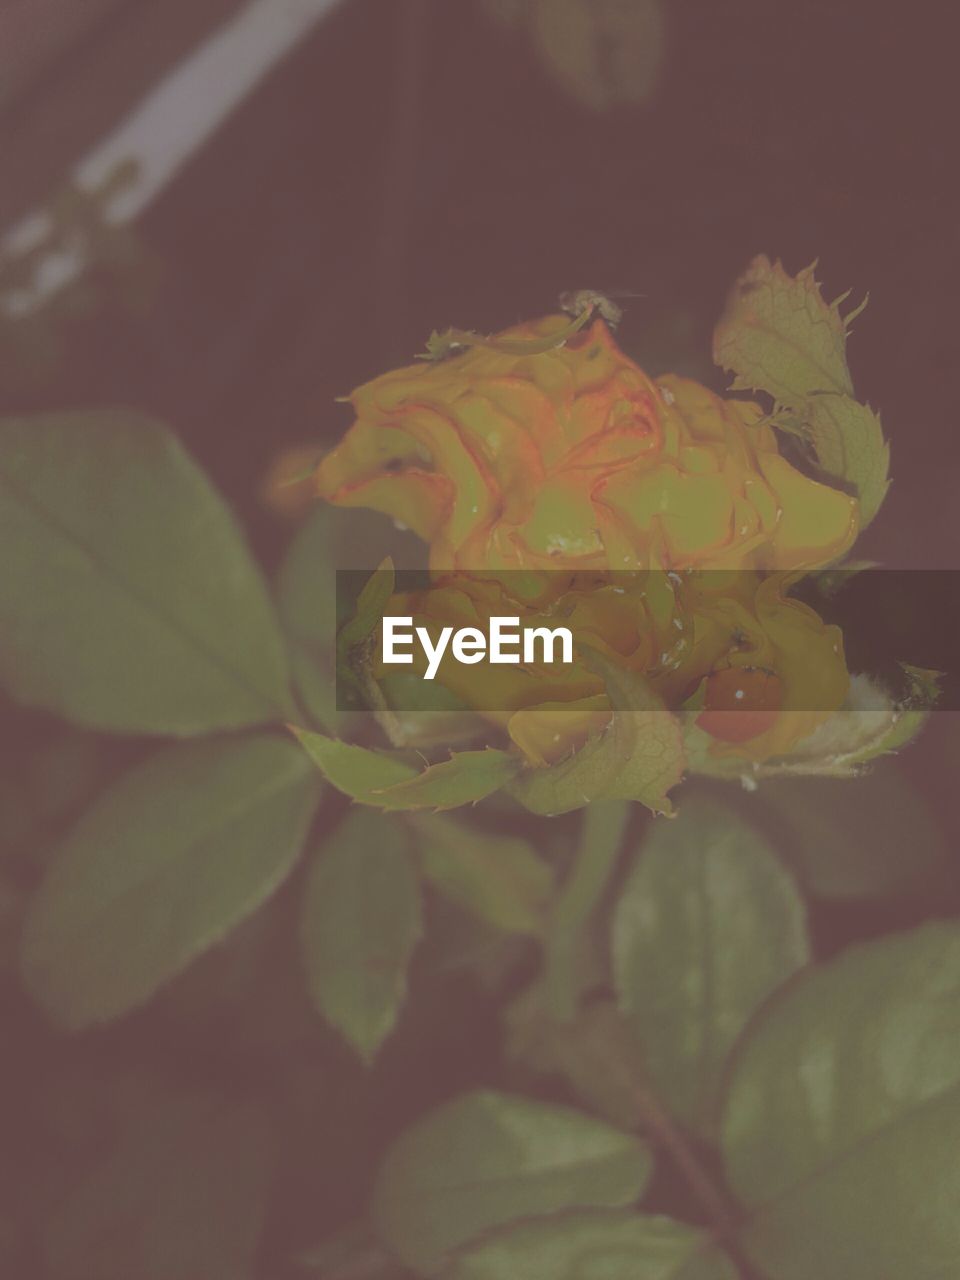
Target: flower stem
(601, 838)
(721, 1215)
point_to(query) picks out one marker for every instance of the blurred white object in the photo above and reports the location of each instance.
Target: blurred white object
(157, 138)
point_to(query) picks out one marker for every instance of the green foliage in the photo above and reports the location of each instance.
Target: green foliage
(168, 860)
(594, 1052)
(468, 776)
(500, 879)
(707, 926)
(567, 952)
(306, 585)
(362, 774)
(847, 441)
(182, 1194)
(777, 335)
(488, 1159)
(605, 53)
(595, 1246)
(355, 636)
(128, 599)
(842, 1122)
(360, 922)
(392, 782)
(658, 973)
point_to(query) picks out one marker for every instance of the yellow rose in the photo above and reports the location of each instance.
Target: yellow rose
(572, 457)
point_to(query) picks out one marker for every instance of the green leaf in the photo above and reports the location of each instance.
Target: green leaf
(778, 335)
(639, 756)
(706, 927)
(306, 598)
(465, 778)
(595, 1053)
(497, 878)
(170, 859)
(602, 51)
(488, 1159)
(360, 922)
(878, 840)
(391, 782)
(842, 1121)
(330, 538)
(847, 440)
(182, 1195)
(422, 713)
(128, 599)
(371, 602)
(356, 771)
(616, 1245)
(306, 582)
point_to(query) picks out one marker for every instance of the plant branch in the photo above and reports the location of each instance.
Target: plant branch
(601, 838)
(721, 1215)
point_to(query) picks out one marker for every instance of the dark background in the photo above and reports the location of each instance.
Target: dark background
(415, 165)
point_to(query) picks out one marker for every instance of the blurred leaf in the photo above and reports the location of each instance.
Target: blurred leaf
(306, 598)
(316, 686)
(878, 840)
(499, 879)
(128, 599)
(45, 789)
(351, 1254)
(64, 771)
(181, 1197)
(306, 582)
(465, 778)
(604, 52)
(359, 925)
(639, 756)
(458, 942)
(615, 1245)
(595, 1053)
(487, 1159)
(164, 864)
(777, 335)
(425, 714)
(842, 1121)
(706, 927)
